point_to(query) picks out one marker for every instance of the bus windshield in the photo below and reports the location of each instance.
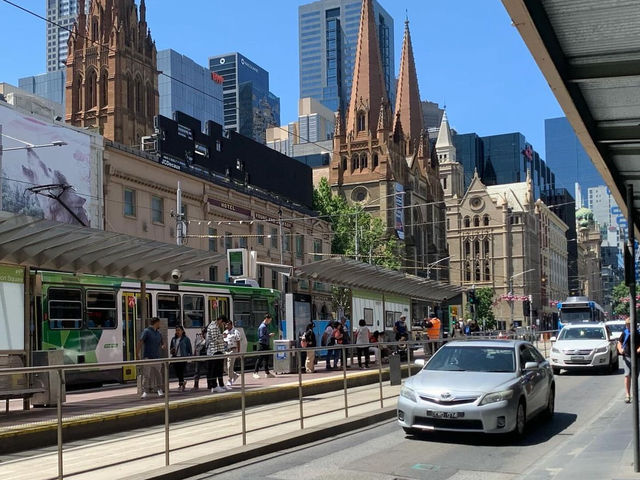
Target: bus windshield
(575, 315)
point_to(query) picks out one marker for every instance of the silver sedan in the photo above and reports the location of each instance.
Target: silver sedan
(491, 386)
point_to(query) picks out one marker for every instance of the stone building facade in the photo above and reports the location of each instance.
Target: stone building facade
(140, 196)
(112, 79)
(382, 158)
(589, 255)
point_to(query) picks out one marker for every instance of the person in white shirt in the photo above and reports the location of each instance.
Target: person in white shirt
(232, 340)
(362, 338)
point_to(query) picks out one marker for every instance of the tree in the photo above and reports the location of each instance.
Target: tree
(483, 305)
(374, 243)
(620, 300)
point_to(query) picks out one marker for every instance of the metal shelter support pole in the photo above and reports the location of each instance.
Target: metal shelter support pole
(380, 373)
(26, 403)
(300, 389)
(59, 415)
(344, 381)
(243, 402)
(634, 328)
(166, 413)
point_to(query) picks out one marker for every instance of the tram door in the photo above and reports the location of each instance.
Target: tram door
(131, 328)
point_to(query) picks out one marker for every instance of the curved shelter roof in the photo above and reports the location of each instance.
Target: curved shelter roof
(51, 245)
(589, 53)
(355, 274)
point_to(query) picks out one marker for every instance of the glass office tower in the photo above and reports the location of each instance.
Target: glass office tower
(189, 88)
(60, 13)
(249, 107)
(328, 31)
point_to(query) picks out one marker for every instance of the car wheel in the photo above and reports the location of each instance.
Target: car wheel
(551, 404)
(521, 421)
(556, 371)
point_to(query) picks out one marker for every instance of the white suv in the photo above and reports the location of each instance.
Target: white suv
(616, 327)
(584, 345)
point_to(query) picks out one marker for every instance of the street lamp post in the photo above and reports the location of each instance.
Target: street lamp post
(511, 288)
(435, 263)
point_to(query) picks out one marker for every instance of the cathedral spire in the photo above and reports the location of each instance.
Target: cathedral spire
(408, 105)
(444, 144)
(368, 87)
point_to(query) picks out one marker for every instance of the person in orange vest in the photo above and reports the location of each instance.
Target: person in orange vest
(433, 331)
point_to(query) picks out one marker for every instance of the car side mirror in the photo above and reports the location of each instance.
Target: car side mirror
(531, 365)
(553, 339)
(419, 362)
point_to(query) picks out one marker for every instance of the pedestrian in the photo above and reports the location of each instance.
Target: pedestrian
(180, 346)
(434, 333)
(400, 328)
(310, 343)
(215, 346)
(624, 349)
(327, 341)
(362, 338)
(338, 339)
(200, 349)
(232, 339)
(152, 341)
(263, 345)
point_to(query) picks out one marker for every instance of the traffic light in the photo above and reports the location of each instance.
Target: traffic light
(471, 296)
(526, 308)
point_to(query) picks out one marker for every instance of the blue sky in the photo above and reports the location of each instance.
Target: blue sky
(468, 54)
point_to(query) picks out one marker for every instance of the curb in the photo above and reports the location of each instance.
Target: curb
(282, 442)
(44, 433)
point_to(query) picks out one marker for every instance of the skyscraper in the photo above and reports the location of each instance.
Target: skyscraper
(328, 33)
(567, 158)
(249, 107)
(189, 88)
(61, 15)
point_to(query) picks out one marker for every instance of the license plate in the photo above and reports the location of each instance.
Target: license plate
(439, 414)
(577, 358)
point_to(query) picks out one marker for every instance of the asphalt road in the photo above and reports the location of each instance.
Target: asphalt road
(385, 452)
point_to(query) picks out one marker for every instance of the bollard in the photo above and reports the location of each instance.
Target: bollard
(344, 381)
(165, 366)
(242, 401)
(395, 376)
(300, 390)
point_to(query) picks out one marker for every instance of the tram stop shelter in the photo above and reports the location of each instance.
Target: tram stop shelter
(390, 286)
(27, 242)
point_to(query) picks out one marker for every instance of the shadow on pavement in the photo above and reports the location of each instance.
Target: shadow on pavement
(538, 431)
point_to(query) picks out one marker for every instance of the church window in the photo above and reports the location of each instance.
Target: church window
(91, 90)
(477, 272)
(104, 89)
(487, 272)
(361, 121)
(375, 161)
(476, 248)
(355, 162)
(151, 101)
(344, 164)
(138, 96)
(486, 248)
(444, 183)
(476, 221)
(486, 220)
(76, 94)
(364, 161)
(467, 272)
(467, 248)
(467, 222)
(94, 30)
(129, 92)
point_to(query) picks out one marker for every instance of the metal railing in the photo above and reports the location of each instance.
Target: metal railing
(407, 347)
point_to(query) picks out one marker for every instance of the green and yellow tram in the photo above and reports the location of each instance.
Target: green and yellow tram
(97, 319)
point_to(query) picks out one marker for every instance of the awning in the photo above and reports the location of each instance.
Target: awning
(355, 274)
(589, 53)
(51, 245)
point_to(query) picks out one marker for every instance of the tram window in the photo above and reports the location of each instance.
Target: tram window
(241, 313)
(193, 307)
(101, 309)
(65, 308)
(169, 308)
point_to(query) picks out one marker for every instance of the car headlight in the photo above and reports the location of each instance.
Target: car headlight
(601, 349)
(408, 393)
(554, 350)
(496, 397)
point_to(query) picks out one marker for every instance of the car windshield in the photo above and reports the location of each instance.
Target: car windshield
(616, 327)
(473, 359)
(584, 333)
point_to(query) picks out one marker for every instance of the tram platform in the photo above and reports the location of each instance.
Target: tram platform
(113, 409)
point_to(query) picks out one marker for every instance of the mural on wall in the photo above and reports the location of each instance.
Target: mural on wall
(70, 171)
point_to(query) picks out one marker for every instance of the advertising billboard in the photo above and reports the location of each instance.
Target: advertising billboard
(70, 170)
(399, 211)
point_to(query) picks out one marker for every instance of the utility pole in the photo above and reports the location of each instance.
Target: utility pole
(356, 232)
(631, 276)
(281, 238)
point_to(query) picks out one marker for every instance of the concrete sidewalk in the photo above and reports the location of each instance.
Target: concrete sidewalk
(208, 442)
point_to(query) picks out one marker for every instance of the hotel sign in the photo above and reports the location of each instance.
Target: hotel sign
(229, 206)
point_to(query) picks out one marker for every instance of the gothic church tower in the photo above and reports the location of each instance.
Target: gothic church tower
(112, 78)
(380, 156)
